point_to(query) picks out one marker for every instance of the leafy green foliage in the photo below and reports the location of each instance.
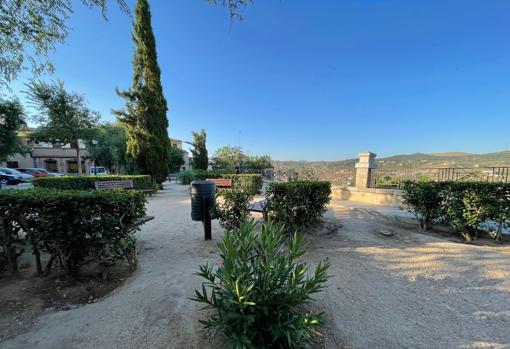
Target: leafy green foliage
(231, 158)
(199, 151)
(110, 150)
(12, 118)
(424, 200)
(76, 228)
(145, 110)
(232, 209)
(87, 182)
(228, 158)
(465, 206)
(188, 176)
(258, 162)
(63, 116)
(259, 290)
(298, 204)
(249, 183)
(31, 29)
(176, 158)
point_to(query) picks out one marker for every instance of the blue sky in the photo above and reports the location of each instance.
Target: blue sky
(313, 80)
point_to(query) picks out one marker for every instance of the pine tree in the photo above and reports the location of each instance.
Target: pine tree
(145, 113)
(199, 151)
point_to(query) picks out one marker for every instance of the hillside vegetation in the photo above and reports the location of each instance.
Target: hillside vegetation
(418, 160)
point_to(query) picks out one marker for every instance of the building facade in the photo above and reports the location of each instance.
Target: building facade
(53, 157)
(185, 155)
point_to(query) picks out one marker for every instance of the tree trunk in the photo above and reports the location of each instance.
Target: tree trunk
(78, 157)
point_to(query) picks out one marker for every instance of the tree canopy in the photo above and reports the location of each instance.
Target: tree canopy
(230, 158)
(31, 29)
(176, 158)
(110, 150)
(12, 118)
(63, 117)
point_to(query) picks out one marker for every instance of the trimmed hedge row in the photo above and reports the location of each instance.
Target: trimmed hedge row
(466, 207)
(87, 182)
(251, 183)
(74, 228)
(298, 204)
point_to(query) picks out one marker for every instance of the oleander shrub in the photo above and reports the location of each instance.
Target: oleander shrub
(298, 204)
(259, 292)
(87, 182)
(233, 208)
(424, 200)
(76, 228)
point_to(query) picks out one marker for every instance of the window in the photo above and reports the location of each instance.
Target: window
(51, 165)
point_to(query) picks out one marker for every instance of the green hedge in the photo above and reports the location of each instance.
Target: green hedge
(251, 183)
(465, 206)
(87, 182)
(298, 204)
(73, 227)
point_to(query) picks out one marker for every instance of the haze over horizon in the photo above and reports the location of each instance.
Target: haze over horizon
(313, 81)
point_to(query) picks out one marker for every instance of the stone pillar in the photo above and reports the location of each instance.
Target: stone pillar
(363, 169)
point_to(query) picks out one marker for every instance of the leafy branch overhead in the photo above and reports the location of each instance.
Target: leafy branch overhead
(234, 6)
(35, 26)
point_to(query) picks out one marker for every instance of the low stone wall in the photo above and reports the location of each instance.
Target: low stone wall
(391, 197)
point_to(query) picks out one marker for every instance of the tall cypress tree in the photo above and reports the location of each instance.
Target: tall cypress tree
(145, 113)
(199, 151)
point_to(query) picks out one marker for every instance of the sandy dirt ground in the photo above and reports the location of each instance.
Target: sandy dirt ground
(408, 290)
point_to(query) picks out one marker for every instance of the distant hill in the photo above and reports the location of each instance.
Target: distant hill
(418, 160)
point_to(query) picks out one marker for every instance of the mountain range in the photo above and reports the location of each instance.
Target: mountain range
(417, 160)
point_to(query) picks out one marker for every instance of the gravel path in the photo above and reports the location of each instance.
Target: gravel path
(405, 291)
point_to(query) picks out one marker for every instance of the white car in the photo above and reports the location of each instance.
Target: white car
(99, 171)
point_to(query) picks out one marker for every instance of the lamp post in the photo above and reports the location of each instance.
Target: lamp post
(94, 143)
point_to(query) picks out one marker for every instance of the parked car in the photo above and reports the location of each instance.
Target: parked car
(6, 179)
(99, 171)
(25, 177)
(48, 172)
(34, 172)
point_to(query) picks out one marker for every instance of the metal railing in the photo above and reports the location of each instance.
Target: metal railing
(340, 177)
(386, 178)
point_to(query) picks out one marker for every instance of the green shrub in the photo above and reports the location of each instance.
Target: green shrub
(259, 290)
(298, 204)
(465, 206)
(424, 200)
(233, 210)
(251, 183)
(76, 227)
(87, 182)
